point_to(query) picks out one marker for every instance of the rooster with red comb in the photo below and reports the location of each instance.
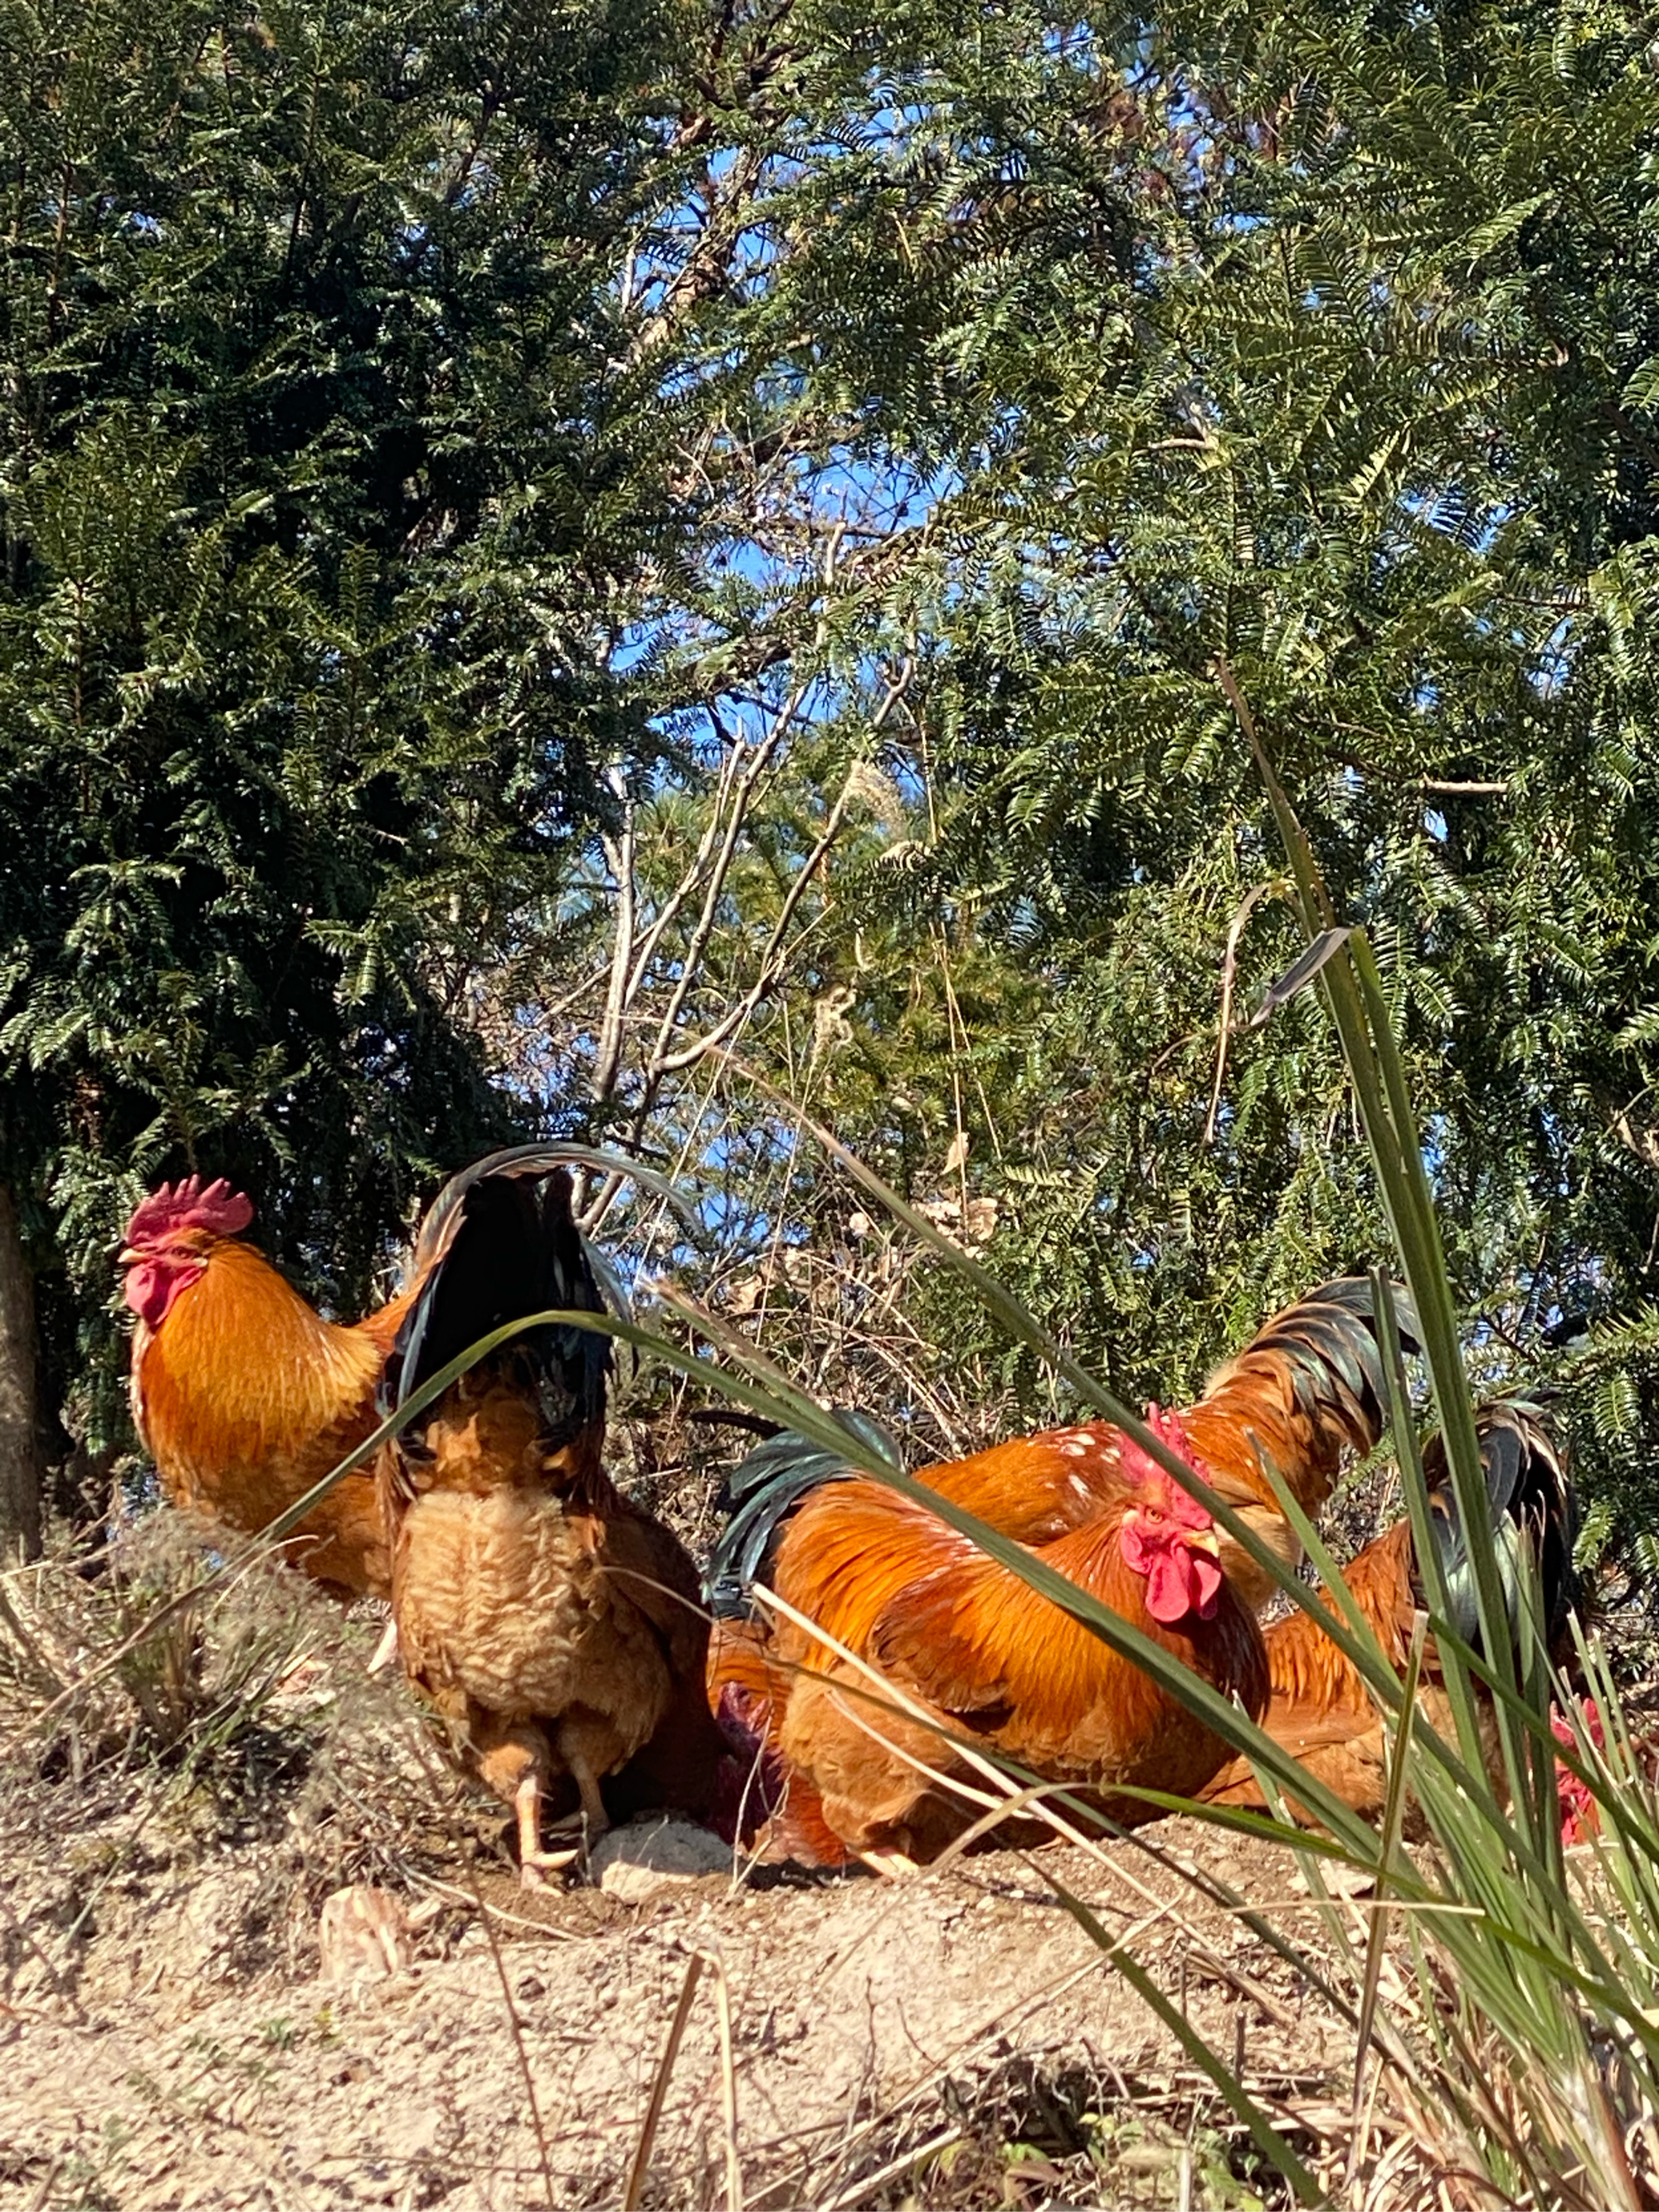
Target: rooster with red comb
(244, 1395)
(974, 1649)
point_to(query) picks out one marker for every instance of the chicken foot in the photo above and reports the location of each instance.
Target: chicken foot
(893, 1866)
(533, 1861)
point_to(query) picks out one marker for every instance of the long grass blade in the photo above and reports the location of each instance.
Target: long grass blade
(1266, 2137)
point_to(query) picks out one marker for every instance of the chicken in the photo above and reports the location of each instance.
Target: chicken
(243, 1393)
(982, 1655)
(554, 1625)
(774, 1814)
(1321, 1711)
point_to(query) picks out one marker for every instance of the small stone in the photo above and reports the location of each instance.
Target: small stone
(650, 1857)
(363, 1934)
(1339, 1880)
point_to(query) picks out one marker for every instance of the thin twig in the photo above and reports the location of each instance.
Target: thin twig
(663, 1063)
(867, 2183)
(620, 854)
(670, 2050)
(728, 2084)
(1229, 977)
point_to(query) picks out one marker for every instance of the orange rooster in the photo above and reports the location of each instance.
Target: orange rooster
(1321, 1711)
(983, 1655)
(556, 1625)
(245, 1396)
(243, 1393)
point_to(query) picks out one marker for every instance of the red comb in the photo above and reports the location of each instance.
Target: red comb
(1178, 1504)
(187, 1205)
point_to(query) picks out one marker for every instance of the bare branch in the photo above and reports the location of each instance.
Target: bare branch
(760, 756)
(693, 875)
(771, 961)
(620, 856)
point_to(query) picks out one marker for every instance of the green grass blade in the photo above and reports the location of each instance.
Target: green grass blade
(1266, 2137)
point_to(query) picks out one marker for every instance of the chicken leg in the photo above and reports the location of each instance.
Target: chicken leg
(518, 1764)
(533, 1861)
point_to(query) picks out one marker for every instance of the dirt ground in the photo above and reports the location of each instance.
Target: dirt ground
(961, 2027)
(172, 2035)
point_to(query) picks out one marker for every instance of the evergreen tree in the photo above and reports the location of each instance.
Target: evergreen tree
(542, 544)
(319, 480)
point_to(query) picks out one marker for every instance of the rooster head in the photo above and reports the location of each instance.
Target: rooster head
(1168, 1536)
(170, 1237)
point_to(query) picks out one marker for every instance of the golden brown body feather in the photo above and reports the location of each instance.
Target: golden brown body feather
(984, 1655)
(1320, 1710)
(246, 1397)
(553, 1622)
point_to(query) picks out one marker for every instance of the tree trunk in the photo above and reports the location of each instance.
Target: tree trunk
(20, 1435)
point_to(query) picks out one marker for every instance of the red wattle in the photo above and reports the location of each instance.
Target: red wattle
(1180, 1582)
(1206, 1575)
(1168, 1588)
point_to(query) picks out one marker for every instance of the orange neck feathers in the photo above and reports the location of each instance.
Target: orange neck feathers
(242, 1356)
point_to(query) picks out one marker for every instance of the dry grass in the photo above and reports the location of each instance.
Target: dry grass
(236, 1766)
(243, 1722)
(174, 1822)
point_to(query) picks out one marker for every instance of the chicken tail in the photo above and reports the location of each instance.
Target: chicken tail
(1529, 1488)
(762, 1491)
(761, 1801)
(1310, 1385)
(508, 1246)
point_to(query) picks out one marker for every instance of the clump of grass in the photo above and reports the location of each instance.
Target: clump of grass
(158, 1710)
(141, 1652)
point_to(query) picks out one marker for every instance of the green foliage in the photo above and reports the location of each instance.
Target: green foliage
(804, 472)
(1321, 347)
(317, 476)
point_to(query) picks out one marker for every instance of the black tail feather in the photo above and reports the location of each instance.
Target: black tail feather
(763, 1491)
(509, 1247)
(1529, 1487)
(1334, 1334)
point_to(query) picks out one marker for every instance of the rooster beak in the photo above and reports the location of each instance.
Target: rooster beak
(127, 1257)
(1205, 1540)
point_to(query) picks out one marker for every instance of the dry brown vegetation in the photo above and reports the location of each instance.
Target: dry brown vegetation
(177, 1812)
(174, 1820)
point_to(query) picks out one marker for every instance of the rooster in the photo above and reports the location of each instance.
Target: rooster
(981, 1654)
(244, 1395)
(556, 1625)
(1321, 1711)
